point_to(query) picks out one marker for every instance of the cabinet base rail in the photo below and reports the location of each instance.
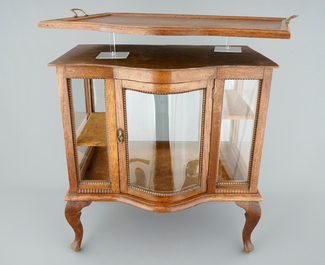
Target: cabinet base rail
(249, 202)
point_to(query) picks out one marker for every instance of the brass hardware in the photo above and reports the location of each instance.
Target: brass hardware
(75, 14)
(120, 136)
(292, 17)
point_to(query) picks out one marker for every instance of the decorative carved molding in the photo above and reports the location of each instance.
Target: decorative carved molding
(254, 131)
(172, 93)
(232, 183)
(202, 134)
(82, 190)
(75, 149)
(161, 194)
(228, 191)
(95, 182)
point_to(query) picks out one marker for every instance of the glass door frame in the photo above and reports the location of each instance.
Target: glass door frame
(153, 88)
(265, 77)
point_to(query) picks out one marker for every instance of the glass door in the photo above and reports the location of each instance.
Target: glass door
(237, 130)
(163, 141)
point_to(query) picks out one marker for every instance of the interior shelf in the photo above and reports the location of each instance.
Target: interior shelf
(235, 107)
(94, 131)
(164, 166)
(97, 166)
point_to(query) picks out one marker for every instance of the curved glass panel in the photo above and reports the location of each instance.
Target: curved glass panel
(164, 135)
(237, 129)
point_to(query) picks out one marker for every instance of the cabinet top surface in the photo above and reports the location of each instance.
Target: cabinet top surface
(163, 57)
(176, 25)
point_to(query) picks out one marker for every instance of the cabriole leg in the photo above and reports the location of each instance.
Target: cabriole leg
(253, 215)
(72, 214)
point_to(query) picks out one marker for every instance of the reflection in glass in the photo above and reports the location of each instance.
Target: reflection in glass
(164, 140)
(237, 128)
(99, 95)
(90, 128)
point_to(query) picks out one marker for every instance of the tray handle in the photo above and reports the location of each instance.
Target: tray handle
(75, 14)
(292, 17)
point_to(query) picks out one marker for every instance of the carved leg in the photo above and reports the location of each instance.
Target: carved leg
(72, 214)
(253, 215)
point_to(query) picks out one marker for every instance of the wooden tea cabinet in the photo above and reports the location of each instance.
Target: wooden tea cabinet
(168, 128)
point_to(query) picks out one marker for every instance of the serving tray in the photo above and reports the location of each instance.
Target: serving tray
(176, 25)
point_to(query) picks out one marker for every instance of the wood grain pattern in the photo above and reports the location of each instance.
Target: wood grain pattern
(163, 207)
(68, 130)
(206, 135)
(260, 129)
(111, 132)
(215, 134)
(240, 73)
(176, 25)
(122, 156)
(160, 60)
(253, 215)
(164, 77)
(164, 88)
(72, 214)
(88, 71)
(94, 131)
(153, 166)
(86, 159)
(232, 186)
(97, 168)
(89, 96)
(164, 199)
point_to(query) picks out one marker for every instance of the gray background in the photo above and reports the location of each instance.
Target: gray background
(33, 229)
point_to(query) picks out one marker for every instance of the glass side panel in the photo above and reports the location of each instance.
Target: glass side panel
(79, 104)
(237, 129)
(164, 134)
(90, 128)
(99, 95)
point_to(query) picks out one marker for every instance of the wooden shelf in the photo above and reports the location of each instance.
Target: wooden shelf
(97, 166)
(94, 131)
(234, 106)
(164, 166)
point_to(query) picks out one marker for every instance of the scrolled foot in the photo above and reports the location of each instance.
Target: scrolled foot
(253, 215)
(72, 214)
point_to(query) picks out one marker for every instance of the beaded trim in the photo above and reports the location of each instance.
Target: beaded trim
(127, 148)
(164, 194)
